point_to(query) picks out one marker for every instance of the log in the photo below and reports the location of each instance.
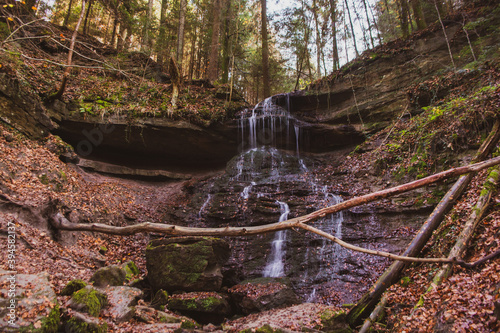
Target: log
(368, 302)
(374, 315)
(467, 232)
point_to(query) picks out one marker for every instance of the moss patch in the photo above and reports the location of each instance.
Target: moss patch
(73, 286)
(89, 300)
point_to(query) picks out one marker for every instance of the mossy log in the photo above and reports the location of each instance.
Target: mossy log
(368, 302)
(374, 316)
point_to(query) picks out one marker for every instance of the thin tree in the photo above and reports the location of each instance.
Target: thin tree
(334, 18)
(352, 29)
(162, 34)
(67, 71)
(318, 38)
(85, 22)
(265, 51)
(214, 45)
(146, 40)
(180, 34)
(68, 14)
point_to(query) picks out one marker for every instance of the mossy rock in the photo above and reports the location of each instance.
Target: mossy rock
(268, 329)
(213, 303)
(189, 324)
(81, 323)
(186, 263)
(334, 321)
(109, 276)
(88, 300)
(131, 270)
(73, 286)
(160, 299)
(49, 324)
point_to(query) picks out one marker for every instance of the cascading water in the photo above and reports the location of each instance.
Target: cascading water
(268, 174)
(275, 266)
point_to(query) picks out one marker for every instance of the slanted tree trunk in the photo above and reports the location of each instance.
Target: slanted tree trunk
(67, 71)
(368, 302)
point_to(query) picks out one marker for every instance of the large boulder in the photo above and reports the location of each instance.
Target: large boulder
(262, 294)
(186, 263)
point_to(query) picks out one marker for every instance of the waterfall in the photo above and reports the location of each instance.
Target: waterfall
(275, 266)
(204, 205)
(264, 130)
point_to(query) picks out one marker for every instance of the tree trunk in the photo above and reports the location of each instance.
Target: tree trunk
(418, 13)
(67, 71)
(162, 34)
(318, 39)
(66, 18)
(85, 23)
(227, 41)
(334, 17)
(146, 40)
(352, 29)
(265, 51)
(404, 18)
(392, 274)
(369, 23)
(180, 34)
(214, 45)
(175, 76)
(113, 34)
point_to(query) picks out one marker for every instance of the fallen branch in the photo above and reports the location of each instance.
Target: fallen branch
(368, 302)
(60, 222)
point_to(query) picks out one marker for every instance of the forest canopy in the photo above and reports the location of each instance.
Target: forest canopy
(228, 42)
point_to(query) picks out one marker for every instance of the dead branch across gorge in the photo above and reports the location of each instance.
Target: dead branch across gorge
(61, 223)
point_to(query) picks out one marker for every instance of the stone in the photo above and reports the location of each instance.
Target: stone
(88, 300)
(82, 323)
(109, 276)
(186, 263)
(121, 300)
(32, 292)
(262, 294)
